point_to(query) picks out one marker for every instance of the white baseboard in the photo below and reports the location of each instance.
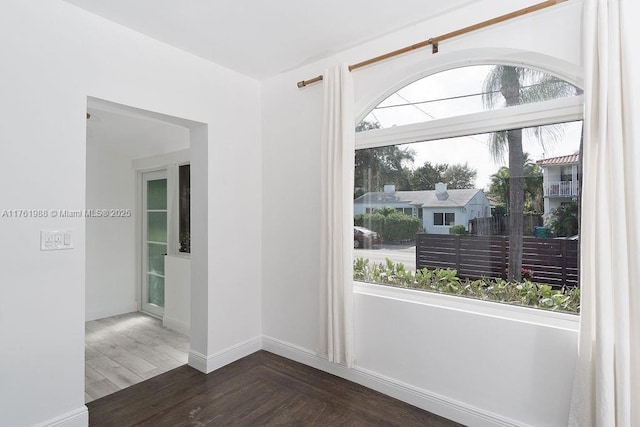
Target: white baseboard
(76, 418)
(176, 325)
(424, 399)
(222, 358)
(102, 312)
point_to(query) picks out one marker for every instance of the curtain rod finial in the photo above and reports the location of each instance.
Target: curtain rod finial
(301, 84)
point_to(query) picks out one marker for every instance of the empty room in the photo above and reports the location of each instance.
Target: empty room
(198, 167)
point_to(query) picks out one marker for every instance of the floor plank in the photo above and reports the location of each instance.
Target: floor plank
(100, 388)
(91, 375)
(124, 350)
(260, 389)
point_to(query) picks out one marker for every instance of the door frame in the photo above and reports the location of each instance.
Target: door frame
(200, 166)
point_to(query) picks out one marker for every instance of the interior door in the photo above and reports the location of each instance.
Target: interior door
(154, 240)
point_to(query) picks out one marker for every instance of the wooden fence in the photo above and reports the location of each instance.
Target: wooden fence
(499, 226)
(553, 261)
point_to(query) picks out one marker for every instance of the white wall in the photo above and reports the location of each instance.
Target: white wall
(461, 218)
(487, 363)
(112, 247)
(177, 293)
(554, 174)
(110, 242)
(478, 207)
(390, 335)
(54, 56)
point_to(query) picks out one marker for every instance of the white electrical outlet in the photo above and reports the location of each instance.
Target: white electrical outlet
(56, 240)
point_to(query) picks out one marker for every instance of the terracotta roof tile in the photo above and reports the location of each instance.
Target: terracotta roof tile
(561, 160)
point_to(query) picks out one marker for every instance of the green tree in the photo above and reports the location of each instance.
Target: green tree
(364, 126)
(456, 176)
(511, 86)
(499, 187)
(533, 187)
(376, 167)
(426, 176)
(564, 220)
(460, 176)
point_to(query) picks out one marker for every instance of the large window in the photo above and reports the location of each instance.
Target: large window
(459, 204)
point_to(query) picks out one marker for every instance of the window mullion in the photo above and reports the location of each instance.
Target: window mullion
(521, 116)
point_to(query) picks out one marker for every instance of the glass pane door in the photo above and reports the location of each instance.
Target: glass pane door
(154, 240)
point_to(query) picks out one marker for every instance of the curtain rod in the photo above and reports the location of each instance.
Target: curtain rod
(435, 40)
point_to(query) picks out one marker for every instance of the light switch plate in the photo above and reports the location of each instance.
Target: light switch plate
(56, 240)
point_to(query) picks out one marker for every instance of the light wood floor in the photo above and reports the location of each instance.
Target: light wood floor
(124, 350)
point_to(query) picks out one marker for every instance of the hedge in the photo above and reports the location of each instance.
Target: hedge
(526, 292)
(393, 227)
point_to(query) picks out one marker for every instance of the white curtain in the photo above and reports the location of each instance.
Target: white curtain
(606, 386)
(336, 216)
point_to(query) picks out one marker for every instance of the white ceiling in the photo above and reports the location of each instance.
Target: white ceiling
(261, 38)
(130, 136)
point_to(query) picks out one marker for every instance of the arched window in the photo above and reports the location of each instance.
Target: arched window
(461, 91)
(467, 170)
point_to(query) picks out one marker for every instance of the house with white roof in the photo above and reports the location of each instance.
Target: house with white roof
(560, 181)
(438, 209)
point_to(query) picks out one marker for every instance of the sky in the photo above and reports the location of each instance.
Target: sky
(450, 92)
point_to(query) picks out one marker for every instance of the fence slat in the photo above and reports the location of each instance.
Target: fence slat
(553, 261)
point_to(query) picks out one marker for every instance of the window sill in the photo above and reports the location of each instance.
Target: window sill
(182, 255)
(512, 312)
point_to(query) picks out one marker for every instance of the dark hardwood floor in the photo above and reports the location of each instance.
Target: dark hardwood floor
(260, 389)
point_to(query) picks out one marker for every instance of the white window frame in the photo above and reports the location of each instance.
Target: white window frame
(517, 117)
(555, 111)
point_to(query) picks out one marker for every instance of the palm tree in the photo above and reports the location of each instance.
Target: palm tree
(564, 221)
(533, 183)
(533, 197)
(515, 86)
(499, 185)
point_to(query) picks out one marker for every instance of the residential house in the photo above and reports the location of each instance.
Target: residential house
(253, 137)
(560, 181)
(438, 209)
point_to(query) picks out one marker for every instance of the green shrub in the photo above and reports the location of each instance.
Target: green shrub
(457, 229)
(564, 220)
(391, 225)
(399, 227)
(446, 281)
(372, 221)
(499, 210)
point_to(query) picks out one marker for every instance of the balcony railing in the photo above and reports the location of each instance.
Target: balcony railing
(561, 189)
